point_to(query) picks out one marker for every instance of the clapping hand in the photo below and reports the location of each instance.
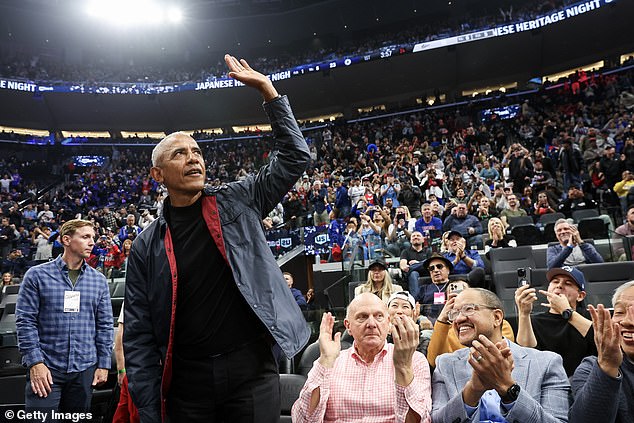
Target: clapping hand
(607, 337)
(492, 365)
(406, 335)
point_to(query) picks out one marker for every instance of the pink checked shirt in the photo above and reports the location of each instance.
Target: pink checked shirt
(356, 391)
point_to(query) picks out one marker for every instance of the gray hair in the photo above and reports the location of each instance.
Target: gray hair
(619, 291)
(560, 221)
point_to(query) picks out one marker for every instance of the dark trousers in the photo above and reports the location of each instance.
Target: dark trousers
(241, 386)
(70, 393)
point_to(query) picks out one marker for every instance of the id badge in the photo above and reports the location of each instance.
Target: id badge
(71, 301)
(439, 298)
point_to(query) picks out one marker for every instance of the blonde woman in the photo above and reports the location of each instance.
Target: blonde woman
(379, 281)
(497, 236)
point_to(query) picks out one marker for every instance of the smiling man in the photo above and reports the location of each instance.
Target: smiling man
(603, 386)
(205, 298)
(64, 325)
(373, 380)
(495, 379)
(571, 250)
(563, 328)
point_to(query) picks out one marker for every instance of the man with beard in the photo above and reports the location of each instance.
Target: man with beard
(512, 210)
(494, 379)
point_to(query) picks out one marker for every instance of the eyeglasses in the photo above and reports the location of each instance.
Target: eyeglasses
(438, 266)
(467, 310)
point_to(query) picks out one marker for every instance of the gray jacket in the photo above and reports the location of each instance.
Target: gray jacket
(544, 388)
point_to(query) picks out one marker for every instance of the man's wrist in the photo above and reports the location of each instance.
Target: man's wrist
(471, 396)
(327, 362)
(121, 371)
(609, 369)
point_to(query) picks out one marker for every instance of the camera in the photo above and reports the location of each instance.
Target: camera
(524, 276)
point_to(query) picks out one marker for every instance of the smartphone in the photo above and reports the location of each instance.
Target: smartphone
(524, 276)
(455, 287)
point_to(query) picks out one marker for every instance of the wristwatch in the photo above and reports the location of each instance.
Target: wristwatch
(567, 314)
(511, 394)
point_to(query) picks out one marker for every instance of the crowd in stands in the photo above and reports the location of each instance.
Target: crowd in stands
(49, 67)
(570, 148)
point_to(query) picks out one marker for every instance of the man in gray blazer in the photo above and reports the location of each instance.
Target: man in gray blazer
(495, 379)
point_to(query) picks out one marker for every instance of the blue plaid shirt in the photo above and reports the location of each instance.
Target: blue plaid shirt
(66, 342)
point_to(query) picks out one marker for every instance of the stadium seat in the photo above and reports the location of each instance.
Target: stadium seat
(578, 215)
(603, 278)
(11, 289)
(547, 218)
(549, 233)
(290, 387)
(310, 354)
(506, 259)
(527, 235)
(594, 227)
(539, 254)
(519, 220)
(8, 315)
(8, 299)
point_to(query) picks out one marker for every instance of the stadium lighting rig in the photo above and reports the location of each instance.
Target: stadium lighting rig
(134, 12)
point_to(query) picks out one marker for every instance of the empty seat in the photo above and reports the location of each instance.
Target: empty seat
(11, 289)
(527, 235)
(594, 227)
(603, 278)
(578, 215)
(547, 218)
(505, 259)
(310, 354)
(519, 220)
(290, 387)
(8, 314)
(539, 254)
(7, 299)
(549, 233)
